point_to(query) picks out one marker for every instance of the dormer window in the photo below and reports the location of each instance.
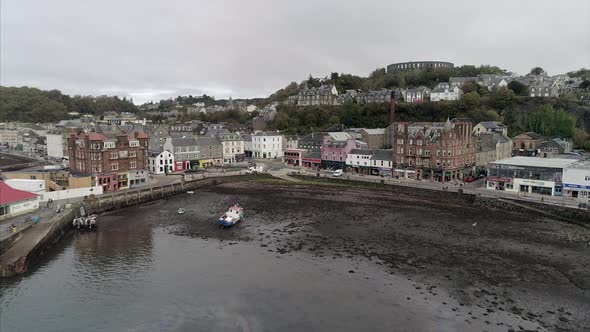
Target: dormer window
(133, 144)
(109, 145)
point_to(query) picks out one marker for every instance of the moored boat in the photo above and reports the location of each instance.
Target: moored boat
(234, 214)
(180, 211)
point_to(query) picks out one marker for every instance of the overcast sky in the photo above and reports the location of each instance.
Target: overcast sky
(150, 49)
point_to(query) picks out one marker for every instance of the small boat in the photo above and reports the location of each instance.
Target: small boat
(180, 211)
(190, 192)
(234, 214)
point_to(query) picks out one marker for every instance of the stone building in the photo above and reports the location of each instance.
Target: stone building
(416, 95)
(527, 144)
(416, 65)
(324, 95)
(110, 157)
(185, 151)
(440, 151)
(373, 137)
(443, 91)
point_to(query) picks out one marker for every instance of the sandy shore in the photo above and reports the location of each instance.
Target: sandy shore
(489, 260)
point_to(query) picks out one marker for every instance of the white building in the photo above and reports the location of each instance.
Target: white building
(267, 145)
(14, 201)
(490, 127)
(55, 145)
(444, 92)
(525, 175)
(418, 94)
(161, 162)
(232, 146)
(382, 162)
(359, 158)
(576, 180)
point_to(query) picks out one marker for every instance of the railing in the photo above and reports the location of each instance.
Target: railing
(18, 227)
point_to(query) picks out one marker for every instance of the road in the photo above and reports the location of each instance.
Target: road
(281, 170)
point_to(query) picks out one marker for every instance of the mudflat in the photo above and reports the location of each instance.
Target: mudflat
(487, 259)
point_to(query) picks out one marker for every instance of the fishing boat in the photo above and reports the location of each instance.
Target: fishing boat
(190, 192)
(180, 211)
(234, 214)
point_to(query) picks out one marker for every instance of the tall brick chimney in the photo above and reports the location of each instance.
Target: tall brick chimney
(392, 108)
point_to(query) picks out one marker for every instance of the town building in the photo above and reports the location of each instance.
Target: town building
(335, 148)
(417, 65)
(324, 95)
(55, 144)
(158, 134)
(443, 91)
(267, 145)
(459, 82)
(576, 180)
(379, 96)
(210, 151)
(440, 151)
(247, 145)
(554, 147)
(109, 156)
(232, 145)
(9, 137)
(185, 151)
(359, 161)
(375, 137)
(14, 202)
(312, 160)
(416, 95)
(490, 127)
(491, 147)
(527, 143)
(533, 175)
(161, 162)
(382, 162)
(540, 89)
(311, 142)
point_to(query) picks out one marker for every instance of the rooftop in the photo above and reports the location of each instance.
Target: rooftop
(11, 195)
(536, 162)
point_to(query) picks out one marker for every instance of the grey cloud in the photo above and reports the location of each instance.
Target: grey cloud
(156, 49)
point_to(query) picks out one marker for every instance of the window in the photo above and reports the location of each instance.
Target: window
(109, 145)
(114, 155)
(587, 178)
(95, 156)
(133, 144)
(132, 154)
(132, 164)
(114, 167)
(438, 163)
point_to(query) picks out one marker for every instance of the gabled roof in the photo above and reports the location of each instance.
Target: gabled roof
(532, 135)
(374, 131)
(365, 152)
(382, 154)
(492, 125)
(9, 195)
(183, 141)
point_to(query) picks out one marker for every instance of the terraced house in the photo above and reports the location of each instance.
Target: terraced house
(117, 160)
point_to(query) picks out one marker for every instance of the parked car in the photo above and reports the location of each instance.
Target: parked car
(469, 179)
(337, 173)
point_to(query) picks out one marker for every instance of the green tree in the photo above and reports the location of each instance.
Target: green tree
(518, 88)
(501, 98)
(471, 99)
(537, 71)
(552, 123)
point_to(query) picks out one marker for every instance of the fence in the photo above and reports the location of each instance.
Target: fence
(8, 232)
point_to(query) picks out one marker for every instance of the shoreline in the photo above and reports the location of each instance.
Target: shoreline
(12, 265)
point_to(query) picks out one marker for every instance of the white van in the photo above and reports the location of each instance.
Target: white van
(337, 173)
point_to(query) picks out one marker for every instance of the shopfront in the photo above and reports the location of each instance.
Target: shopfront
(535, 186)
(499, 183)
(576, 191)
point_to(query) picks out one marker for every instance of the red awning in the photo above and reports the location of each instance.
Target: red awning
(10, 195)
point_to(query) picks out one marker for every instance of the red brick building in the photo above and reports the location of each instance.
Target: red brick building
(118, 160)
(440, 151)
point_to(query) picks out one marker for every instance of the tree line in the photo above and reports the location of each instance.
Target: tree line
(27, 104)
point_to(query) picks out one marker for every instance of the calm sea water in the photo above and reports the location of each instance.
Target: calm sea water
(124, 278)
